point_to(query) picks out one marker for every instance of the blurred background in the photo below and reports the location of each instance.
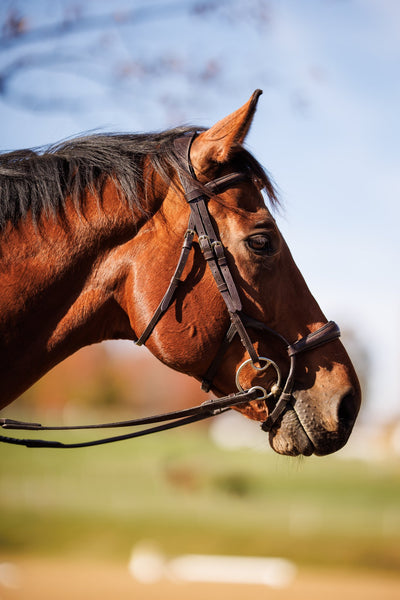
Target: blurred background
(327, 129)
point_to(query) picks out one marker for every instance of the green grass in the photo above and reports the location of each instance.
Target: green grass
(180, 491)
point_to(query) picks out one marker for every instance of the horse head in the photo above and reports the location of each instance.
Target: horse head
(275, 301)
(91, 236)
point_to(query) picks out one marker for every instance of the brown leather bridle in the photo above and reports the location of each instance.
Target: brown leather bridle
(200, 225)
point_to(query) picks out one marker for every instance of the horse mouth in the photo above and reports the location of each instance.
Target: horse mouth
(300, 431)
(298, 434)
(289, 437)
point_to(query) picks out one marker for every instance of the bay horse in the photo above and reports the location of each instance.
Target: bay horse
(91, 232)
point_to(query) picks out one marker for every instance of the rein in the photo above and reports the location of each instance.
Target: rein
(200, 225)
(170, 420)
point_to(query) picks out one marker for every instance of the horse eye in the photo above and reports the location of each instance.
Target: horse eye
(261, 244)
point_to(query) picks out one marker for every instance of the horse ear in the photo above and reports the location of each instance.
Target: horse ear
(217, 143)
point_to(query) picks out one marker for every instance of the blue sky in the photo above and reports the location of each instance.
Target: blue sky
(327, 129)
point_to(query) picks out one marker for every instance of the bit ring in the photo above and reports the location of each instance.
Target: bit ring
(258, 388)
(275, 388)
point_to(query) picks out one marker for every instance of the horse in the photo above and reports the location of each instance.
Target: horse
(91, 250)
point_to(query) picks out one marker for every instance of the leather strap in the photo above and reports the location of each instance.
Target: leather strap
(199, 223)
(328, 332)
(173, 285)
(210, 244)
(169, 420)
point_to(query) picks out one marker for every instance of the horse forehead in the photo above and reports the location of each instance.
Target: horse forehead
(245, 199)
(243, 218)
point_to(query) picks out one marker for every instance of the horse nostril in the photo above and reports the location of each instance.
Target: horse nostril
(348, 408)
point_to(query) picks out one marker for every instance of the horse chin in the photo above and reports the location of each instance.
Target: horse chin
(290, 438)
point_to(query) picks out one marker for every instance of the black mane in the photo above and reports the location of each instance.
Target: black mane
(39, 180)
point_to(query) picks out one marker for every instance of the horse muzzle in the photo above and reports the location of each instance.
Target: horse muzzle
(311, 426)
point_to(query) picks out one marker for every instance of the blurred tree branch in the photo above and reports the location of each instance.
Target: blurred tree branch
(86, 45)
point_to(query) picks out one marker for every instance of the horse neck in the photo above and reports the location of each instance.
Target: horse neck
(58, 285)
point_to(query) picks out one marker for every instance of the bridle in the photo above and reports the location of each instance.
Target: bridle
(200, 225)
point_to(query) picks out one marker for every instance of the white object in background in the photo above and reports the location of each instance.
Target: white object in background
(147, 565)
(10, 576)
